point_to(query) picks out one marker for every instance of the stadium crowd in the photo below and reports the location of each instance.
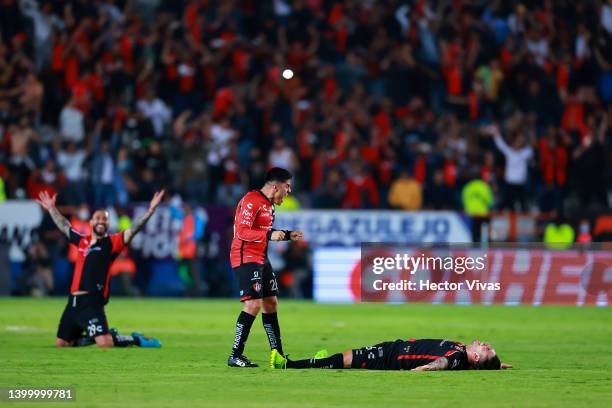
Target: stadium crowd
(105, 100)
(392, 104)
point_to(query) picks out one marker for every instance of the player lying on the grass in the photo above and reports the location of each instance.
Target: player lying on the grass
(412, 354)
(90, 281)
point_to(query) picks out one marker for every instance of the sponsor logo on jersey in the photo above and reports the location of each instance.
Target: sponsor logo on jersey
(87, 250)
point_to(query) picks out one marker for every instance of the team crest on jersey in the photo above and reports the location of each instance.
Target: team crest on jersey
(257, 287)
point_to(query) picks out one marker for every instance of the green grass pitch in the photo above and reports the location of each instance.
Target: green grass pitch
(562, 356)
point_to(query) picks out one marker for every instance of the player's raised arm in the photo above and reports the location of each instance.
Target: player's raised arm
(48, 203)
(436, 365)
(139, 224)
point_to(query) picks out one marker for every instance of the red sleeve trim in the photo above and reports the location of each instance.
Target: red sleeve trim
(417, 357)
(117, 242)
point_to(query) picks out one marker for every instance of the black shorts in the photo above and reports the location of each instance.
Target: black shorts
(381, 356)
(83, 313)
(256, 281)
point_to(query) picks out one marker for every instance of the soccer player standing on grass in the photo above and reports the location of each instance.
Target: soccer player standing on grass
(90, 281)
(248, 257)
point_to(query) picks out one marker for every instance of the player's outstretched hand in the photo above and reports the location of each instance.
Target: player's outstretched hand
(156, 200)
(505, 366)
(46, 201)
(420, 368)
(296, 235)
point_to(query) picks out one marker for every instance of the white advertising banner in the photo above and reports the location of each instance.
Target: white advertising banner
(352, 227)
(18, 220)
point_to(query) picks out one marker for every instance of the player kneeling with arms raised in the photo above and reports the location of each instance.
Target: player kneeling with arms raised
(412, 354)
(90, 282)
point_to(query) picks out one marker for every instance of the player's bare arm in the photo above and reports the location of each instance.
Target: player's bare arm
(48, 203)
(442, 364)
(439, 364)
(139, 224)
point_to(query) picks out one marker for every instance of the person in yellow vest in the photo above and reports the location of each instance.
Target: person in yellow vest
(477, 197)
(2, 192)
(406, 193)
(558, 234)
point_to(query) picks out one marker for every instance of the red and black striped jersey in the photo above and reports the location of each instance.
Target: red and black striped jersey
(415, 353)
(92, 267)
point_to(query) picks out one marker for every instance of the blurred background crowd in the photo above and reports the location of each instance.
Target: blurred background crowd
(464, 105)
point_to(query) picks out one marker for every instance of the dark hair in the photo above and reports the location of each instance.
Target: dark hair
(96, 209)
(492, 363)
(278, 174)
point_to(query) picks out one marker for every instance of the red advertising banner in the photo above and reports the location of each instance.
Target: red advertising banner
(464, 276)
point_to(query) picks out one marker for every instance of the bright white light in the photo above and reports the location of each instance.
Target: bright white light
(287, 74)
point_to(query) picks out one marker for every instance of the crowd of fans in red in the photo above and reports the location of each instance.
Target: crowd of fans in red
(106, 101)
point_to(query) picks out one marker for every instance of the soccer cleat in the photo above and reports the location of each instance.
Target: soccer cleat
(146, 341)
(277, 360)
(321, 354)
(240, 361)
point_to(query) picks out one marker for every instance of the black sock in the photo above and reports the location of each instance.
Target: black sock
(335, 361)
(270, 324)
(125, 341)
(84, 341)
(243, 328)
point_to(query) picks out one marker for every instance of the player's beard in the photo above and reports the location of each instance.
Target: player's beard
(97, 231)
(279, 199)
